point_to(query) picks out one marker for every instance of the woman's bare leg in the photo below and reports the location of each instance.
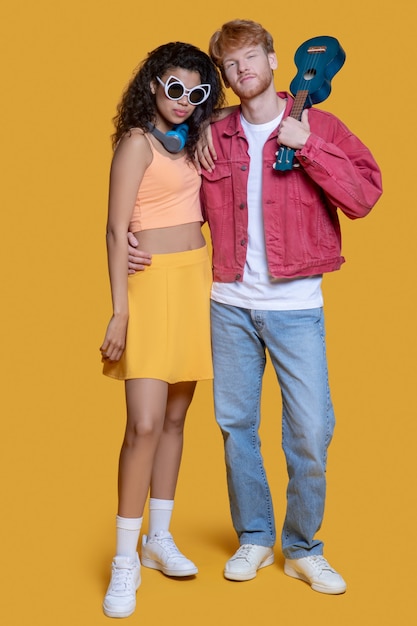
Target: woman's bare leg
(167, 459)
(146, 401)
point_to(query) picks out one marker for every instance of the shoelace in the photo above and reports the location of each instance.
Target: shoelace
(244, 551)
(168, 544)
(319, 563)
(122, 579)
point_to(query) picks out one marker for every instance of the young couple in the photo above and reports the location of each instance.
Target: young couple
(274, 235)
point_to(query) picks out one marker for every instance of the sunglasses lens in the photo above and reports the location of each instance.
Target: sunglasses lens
(175, 91)
(197, 95)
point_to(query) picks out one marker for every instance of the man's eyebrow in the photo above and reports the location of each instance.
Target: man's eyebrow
(231, 55)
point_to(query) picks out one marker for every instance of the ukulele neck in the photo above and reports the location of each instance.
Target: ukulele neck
(299, 103)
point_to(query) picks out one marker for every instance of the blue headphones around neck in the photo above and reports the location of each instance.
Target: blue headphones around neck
(174, 140)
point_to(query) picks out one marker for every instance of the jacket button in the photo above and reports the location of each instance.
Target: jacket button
(244, 168)
(237, 276)
(242, 205)
(243, 242)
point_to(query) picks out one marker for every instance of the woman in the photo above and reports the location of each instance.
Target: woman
(158, 338)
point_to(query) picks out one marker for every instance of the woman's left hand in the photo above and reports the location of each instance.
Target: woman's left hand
(114, 342)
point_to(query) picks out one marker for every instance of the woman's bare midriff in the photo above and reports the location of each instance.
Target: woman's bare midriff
(171, 239)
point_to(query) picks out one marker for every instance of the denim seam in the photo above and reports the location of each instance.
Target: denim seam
(256, 448)
(329, 429)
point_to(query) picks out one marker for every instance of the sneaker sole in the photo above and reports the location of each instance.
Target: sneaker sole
(242, 576)
(165, 570)
(114, 613)
(289, 571)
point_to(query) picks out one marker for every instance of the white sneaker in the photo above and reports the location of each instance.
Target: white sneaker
(247, 560)
(316, 571)
(120, 599)
(160, 552)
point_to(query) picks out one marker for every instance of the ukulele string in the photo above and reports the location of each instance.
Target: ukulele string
(311, 63)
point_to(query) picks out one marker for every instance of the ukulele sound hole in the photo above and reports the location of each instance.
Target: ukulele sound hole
(309, 74)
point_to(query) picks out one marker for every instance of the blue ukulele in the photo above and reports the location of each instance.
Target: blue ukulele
(317, 61)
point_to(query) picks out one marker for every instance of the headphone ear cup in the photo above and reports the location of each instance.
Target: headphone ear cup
(174, 140)
(180, 131)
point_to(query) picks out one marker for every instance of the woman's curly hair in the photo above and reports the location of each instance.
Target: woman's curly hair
(138, 104)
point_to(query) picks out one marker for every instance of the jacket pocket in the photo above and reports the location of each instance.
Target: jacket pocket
(216, 188)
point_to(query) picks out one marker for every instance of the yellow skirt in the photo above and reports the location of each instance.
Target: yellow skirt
(168, 335)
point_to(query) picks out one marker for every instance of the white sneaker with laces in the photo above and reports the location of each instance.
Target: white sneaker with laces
(160, 552)
(316, 571)
(120, 599)
(247, 560)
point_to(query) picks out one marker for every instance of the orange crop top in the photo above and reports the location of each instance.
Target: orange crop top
(169, 194)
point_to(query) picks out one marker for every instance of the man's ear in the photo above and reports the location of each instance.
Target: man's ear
(273, 61)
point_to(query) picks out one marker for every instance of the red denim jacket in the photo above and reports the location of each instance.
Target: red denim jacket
(302, 231)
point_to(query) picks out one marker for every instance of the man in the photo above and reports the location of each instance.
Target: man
(274, 234)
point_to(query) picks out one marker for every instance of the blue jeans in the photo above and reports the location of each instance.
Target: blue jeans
(295, 341)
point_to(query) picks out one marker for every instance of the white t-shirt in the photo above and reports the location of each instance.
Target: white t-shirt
(259, 290)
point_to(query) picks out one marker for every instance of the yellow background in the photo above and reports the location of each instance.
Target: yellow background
(64, 65)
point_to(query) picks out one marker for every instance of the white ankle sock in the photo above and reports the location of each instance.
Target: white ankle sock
(160, 512)
(127, 535)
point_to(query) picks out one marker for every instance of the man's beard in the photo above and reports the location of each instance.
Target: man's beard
(247, 92)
